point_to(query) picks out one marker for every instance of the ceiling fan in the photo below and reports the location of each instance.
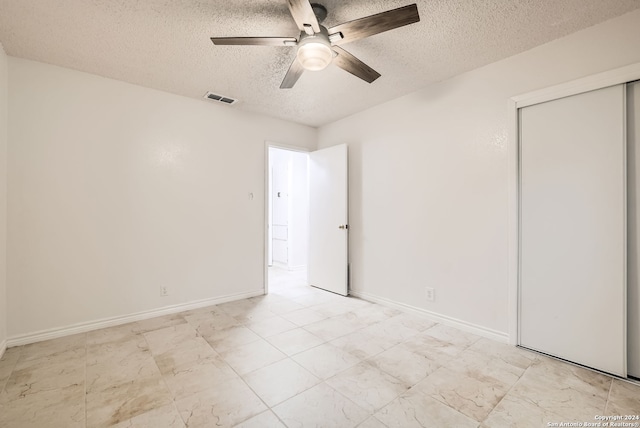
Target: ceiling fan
(318, 46)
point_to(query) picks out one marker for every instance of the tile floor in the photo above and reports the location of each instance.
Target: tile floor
(299, 357)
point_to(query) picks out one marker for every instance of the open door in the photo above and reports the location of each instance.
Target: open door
(328, 214)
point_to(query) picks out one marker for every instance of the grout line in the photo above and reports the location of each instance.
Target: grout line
(248, 386)
(508, 391)
(606, 403)
(13, 367)
(162, 378)
(369, 413)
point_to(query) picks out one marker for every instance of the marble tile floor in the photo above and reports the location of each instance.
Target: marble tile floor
(298, 357)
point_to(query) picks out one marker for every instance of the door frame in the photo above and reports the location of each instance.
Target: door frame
(267, 183)
(597, 81)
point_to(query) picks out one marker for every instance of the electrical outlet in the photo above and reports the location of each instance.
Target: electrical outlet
(430, 294)
(164, 290)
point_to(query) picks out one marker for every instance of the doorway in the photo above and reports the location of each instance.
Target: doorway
(306, 216)
(287, 217)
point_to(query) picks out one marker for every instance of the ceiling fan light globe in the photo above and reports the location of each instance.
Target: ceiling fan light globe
(315, 55)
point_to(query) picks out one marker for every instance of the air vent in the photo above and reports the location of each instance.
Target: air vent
(220, 98)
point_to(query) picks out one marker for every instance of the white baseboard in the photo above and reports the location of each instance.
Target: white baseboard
(3, 347)
(54, 333)
(288, 268)
(498, 336)
(280, 265)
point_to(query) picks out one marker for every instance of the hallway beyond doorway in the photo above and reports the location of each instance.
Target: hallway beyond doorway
(289, 283)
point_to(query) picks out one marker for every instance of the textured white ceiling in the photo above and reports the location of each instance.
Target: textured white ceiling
(164, 44)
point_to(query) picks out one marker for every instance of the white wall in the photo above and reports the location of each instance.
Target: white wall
(115, 190)
(3, 196)
(299, 191)
(428, 177)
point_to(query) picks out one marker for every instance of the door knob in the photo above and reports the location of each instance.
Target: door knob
(343, 226)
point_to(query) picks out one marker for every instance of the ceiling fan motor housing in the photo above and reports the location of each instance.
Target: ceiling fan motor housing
(319, 11)
(314, 51)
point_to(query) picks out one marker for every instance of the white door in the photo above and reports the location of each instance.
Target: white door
(328, 234)
(633, 171)
(573, 229)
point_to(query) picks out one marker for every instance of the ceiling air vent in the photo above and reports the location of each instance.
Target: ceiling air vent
(219, 98)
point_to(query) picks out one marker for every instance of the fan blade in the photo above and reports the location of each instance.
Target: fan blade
(353, 65)
(294, 73)
(303, 14)
(258, 41)
(374, 24)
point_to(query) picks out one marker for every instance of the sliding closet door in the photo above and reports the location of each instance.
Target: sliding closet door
(633, 293)
(573, 229)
